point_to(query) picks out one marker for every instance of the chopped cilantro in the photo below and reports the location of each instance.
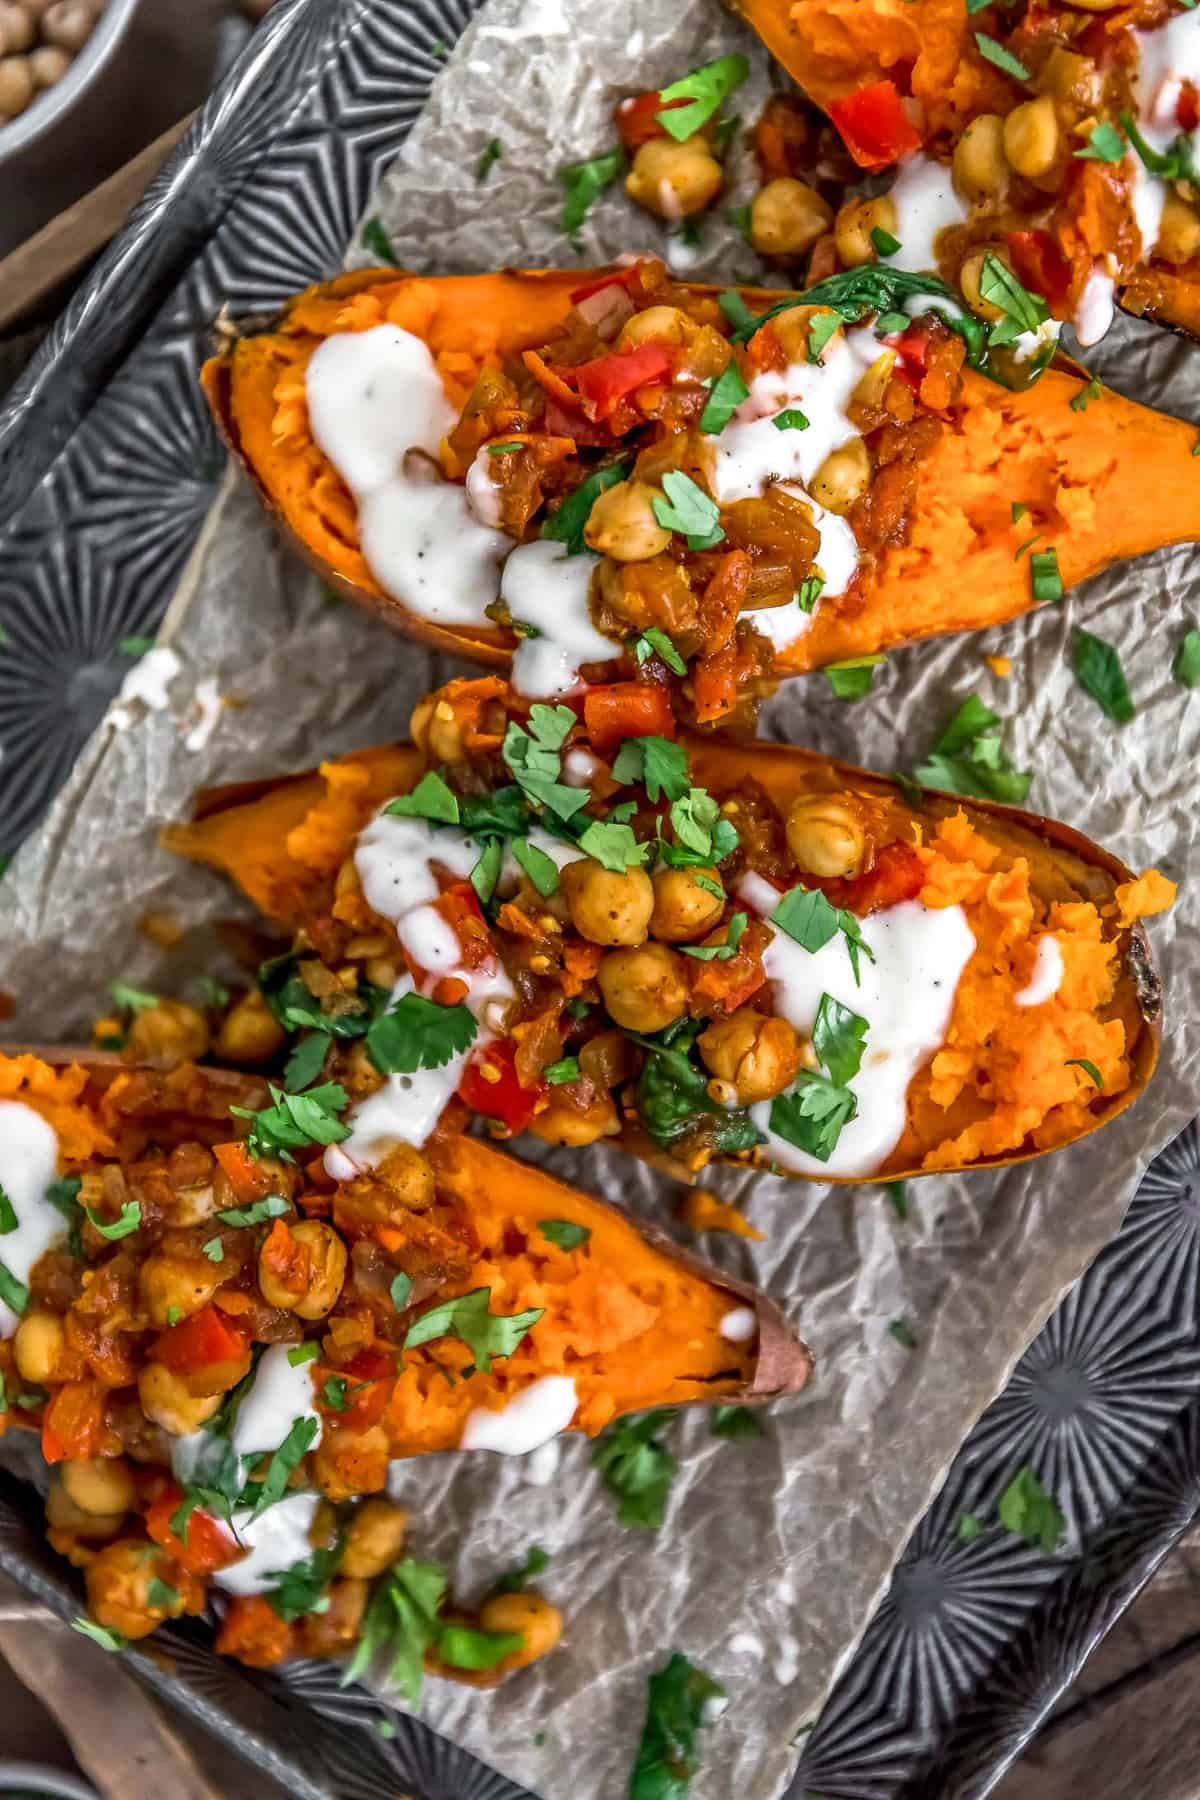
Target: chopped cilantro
(852, 679)
(744, 322)
(300, 1589)
(14, 1293)
(838, 1038)
(160, 1595)
(688, 510)
(1018, 509)
(1099, 673)
(660, 766)
(515, 1579)
(637, 1468)
(492, 152)
(401, 1290)
(726, 395)
(465, 1647)
(968, 757)
(822, 327)
(734, 1423)
(129, 1220)
(1002, 58)
(969, 1528)
(112, 1641)
(583, 183)
(419, 1034)
(653, 642)
(135, 646)
(1089, 1068)
(430, 799)
(535, 759)
(1027, 1510)
(564, 1233)
(271, 1206)
(541, 869)
(705, 88)
(614, 846)
(376, 240)
(295, 1121)
(903, 1333)
(565, 524)
(486, 1334)
(897, 1193)
(8, 1215)
(813, 1115)
(1044, 575)
(401, 1622)
(299, 1354)
(306, 1061)
(790, 419)
(214, 1249)
(1175, 163)
(285, 1461)
(561, 1072)
(809, 592)
(1186, 667)
(719, 952)
(334, 1393)
(677, 1706)
(884, 242)
(132, 999)
(1080, 402)
(808, 917)
(1023, 311)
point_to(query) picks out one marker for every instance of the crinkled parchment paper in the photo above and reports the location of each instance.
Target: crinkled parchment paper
(785, 1545)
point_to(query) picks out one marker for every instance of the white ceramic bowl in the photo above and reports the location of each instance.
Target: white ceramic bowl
(56, 102)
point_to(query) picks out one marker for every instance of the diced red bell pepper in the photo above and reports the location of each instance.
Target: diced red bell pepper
(1041, 266)
(874, 125)
(73, 1428)
(247, 1175)
(459, 906)
(626, 709)
(207, 1545)
(207, 1337)
(368, 1379)
(637, 120)
(897, 874)
(604, 383)
(498, 1094)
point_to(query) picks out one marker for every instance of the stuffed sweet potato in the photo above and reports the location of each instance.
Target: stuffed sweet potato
(224, 1348)
(744, 952)
(578, 475)
(1057, 137)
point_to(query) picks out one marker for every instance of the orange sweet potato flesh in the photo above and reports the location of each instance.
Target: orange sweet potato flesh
(1056, 868)
(958, 571)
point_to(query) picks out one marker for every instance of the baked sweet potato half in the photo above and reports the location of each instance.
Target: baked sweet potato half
(766, 483)
(224, 1348)
(704, 950)
(1057, 137)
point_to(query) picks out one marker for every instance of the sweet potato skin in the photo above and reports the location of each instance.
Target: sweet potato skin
(1062, 861)
(957, 571)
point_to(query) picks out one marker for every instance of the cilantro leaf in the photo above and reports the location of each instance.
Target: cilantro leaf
(1186, 667)
(534, 758)
(299, 1354)
(653, 642)
(401, 1621)
(851, 679)
(466, 1647)
(300, 1589)
(735, 1423)
(1099, 673)
(486, 1334)
(1022, 310)
(214, 1249)
(541, 869)
(678, 1700)
(705, 88)
(160, 1595)
(1003, 59)
(813, 1115)
(885, 244)
(565, 524)
(8, 1215)
(295, 1121)
(376, 240)
(135, 646)
(419, 1034)
(271, 1206)
(822, 327)
(1175, 163)
(688, 510)
(809, 592)
(1045, 577)
(129, 1220)
(285, 991)
(131, 999)
(790, 419)
(430, 799)
(903, 1333)
(725, 396)
(583, 183)
(808, 917)
(1093, 391)
(614, 846)
(564, 1233)
(660, 766)
(693, 820)
(968, 757)
(636, 1466)
(558, 1074)
(14, 1293)
(897, 1193)
(1027, 1510)
(306, 1061)
(719, 952)
(113, 1641)
(287, 1458)
(492, 152)
(969, 1528)
(515, 1579)
(838, 1038)
(1089, 1068)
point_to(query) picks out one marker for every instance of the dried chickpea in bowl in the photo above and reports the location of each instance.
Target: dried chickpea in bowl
(39, 42)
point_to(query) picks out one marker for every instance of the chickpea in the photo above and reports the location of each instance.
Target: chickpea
(643, 989)
(39, 1347)
(16, 28)
(167, 1401)
(186, 1283)
(1032, 136)
(855, 223)
(979, 168)
(68, 23)
(64, 1515)
(249, 1032)
(787, 217)
(672, 180)
(337, 1629)
(607, 906)
(971, 274)
(435, 727)
(374, 1538)
(48, 64)
(530, 1617)
(1069, 76)
(409, 1178)
(1178, 231)
(871, 387)
(758, 1055)
(325, 1254)
(683, 906)
(1096, 5)
(16, 86)
(656, 325)
(119, 1581)
(622, 523)
(575, 1126)
(792, 328)
(168, 1034)
(824, 836)
(843, 477)
(345, 1466)
(103, 1485)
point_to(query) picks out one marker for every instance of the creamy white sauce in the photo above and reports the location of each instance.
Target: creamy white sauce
(541, 1465)
(786, 1664)
(531, 1418)
(740, 1325)
(1047, 975)
(906, 996)
(744, 1643)
(711, 1708)
(1167, 58)
(926, 203)
(147, 682)
(580, 768)
(28, 1164)
(544, 587)
(837, 564)
(751, 452)
(483, 496)
(682, 255)
(374, 398)
(1094, 313)
(275, 1540)
(209, 705)
(1028, 344)
(280, 1394)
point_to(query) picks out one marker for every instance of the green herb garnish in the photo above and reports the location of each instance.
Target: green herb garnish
(688, 510)
(419, 1034)
(636, 1466)
(564, 1233)
(726, 395)
(1099, 673)
(486, 1334)
(968, 757)
(583, 183)
(705, 88)
(677, 1706)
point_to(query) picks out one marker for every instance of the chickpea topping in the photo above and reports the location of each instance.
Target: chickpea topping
(102, 1486)
(843, 477)
(683, 907)
(1069, 76)
(787, 217)
(167, 1400)
(1032, 136)
(970, 275)
(656, 325)
(855, 223)
(1178, 231)
(672, 180)
(249, 1032)
(48, 64)
(871, 387)
(342, 1469)
(64, 1515)
(16, 27)
(574, 1127)
(119, 1581)
(643, 989)
(723, 1092)
(608, 906)
(825, 836)
(167, 1034)
(622, 523)
(176, 1286)
(374, 1538)
(528, 1616)
(758, 1055)
(16, 86)
(39, 1347)
(68, 24)
(979, 169)
(326, 1258)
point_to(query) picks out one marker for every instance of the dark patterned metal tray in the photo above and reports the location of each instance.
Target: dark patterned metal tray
(108, 465)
